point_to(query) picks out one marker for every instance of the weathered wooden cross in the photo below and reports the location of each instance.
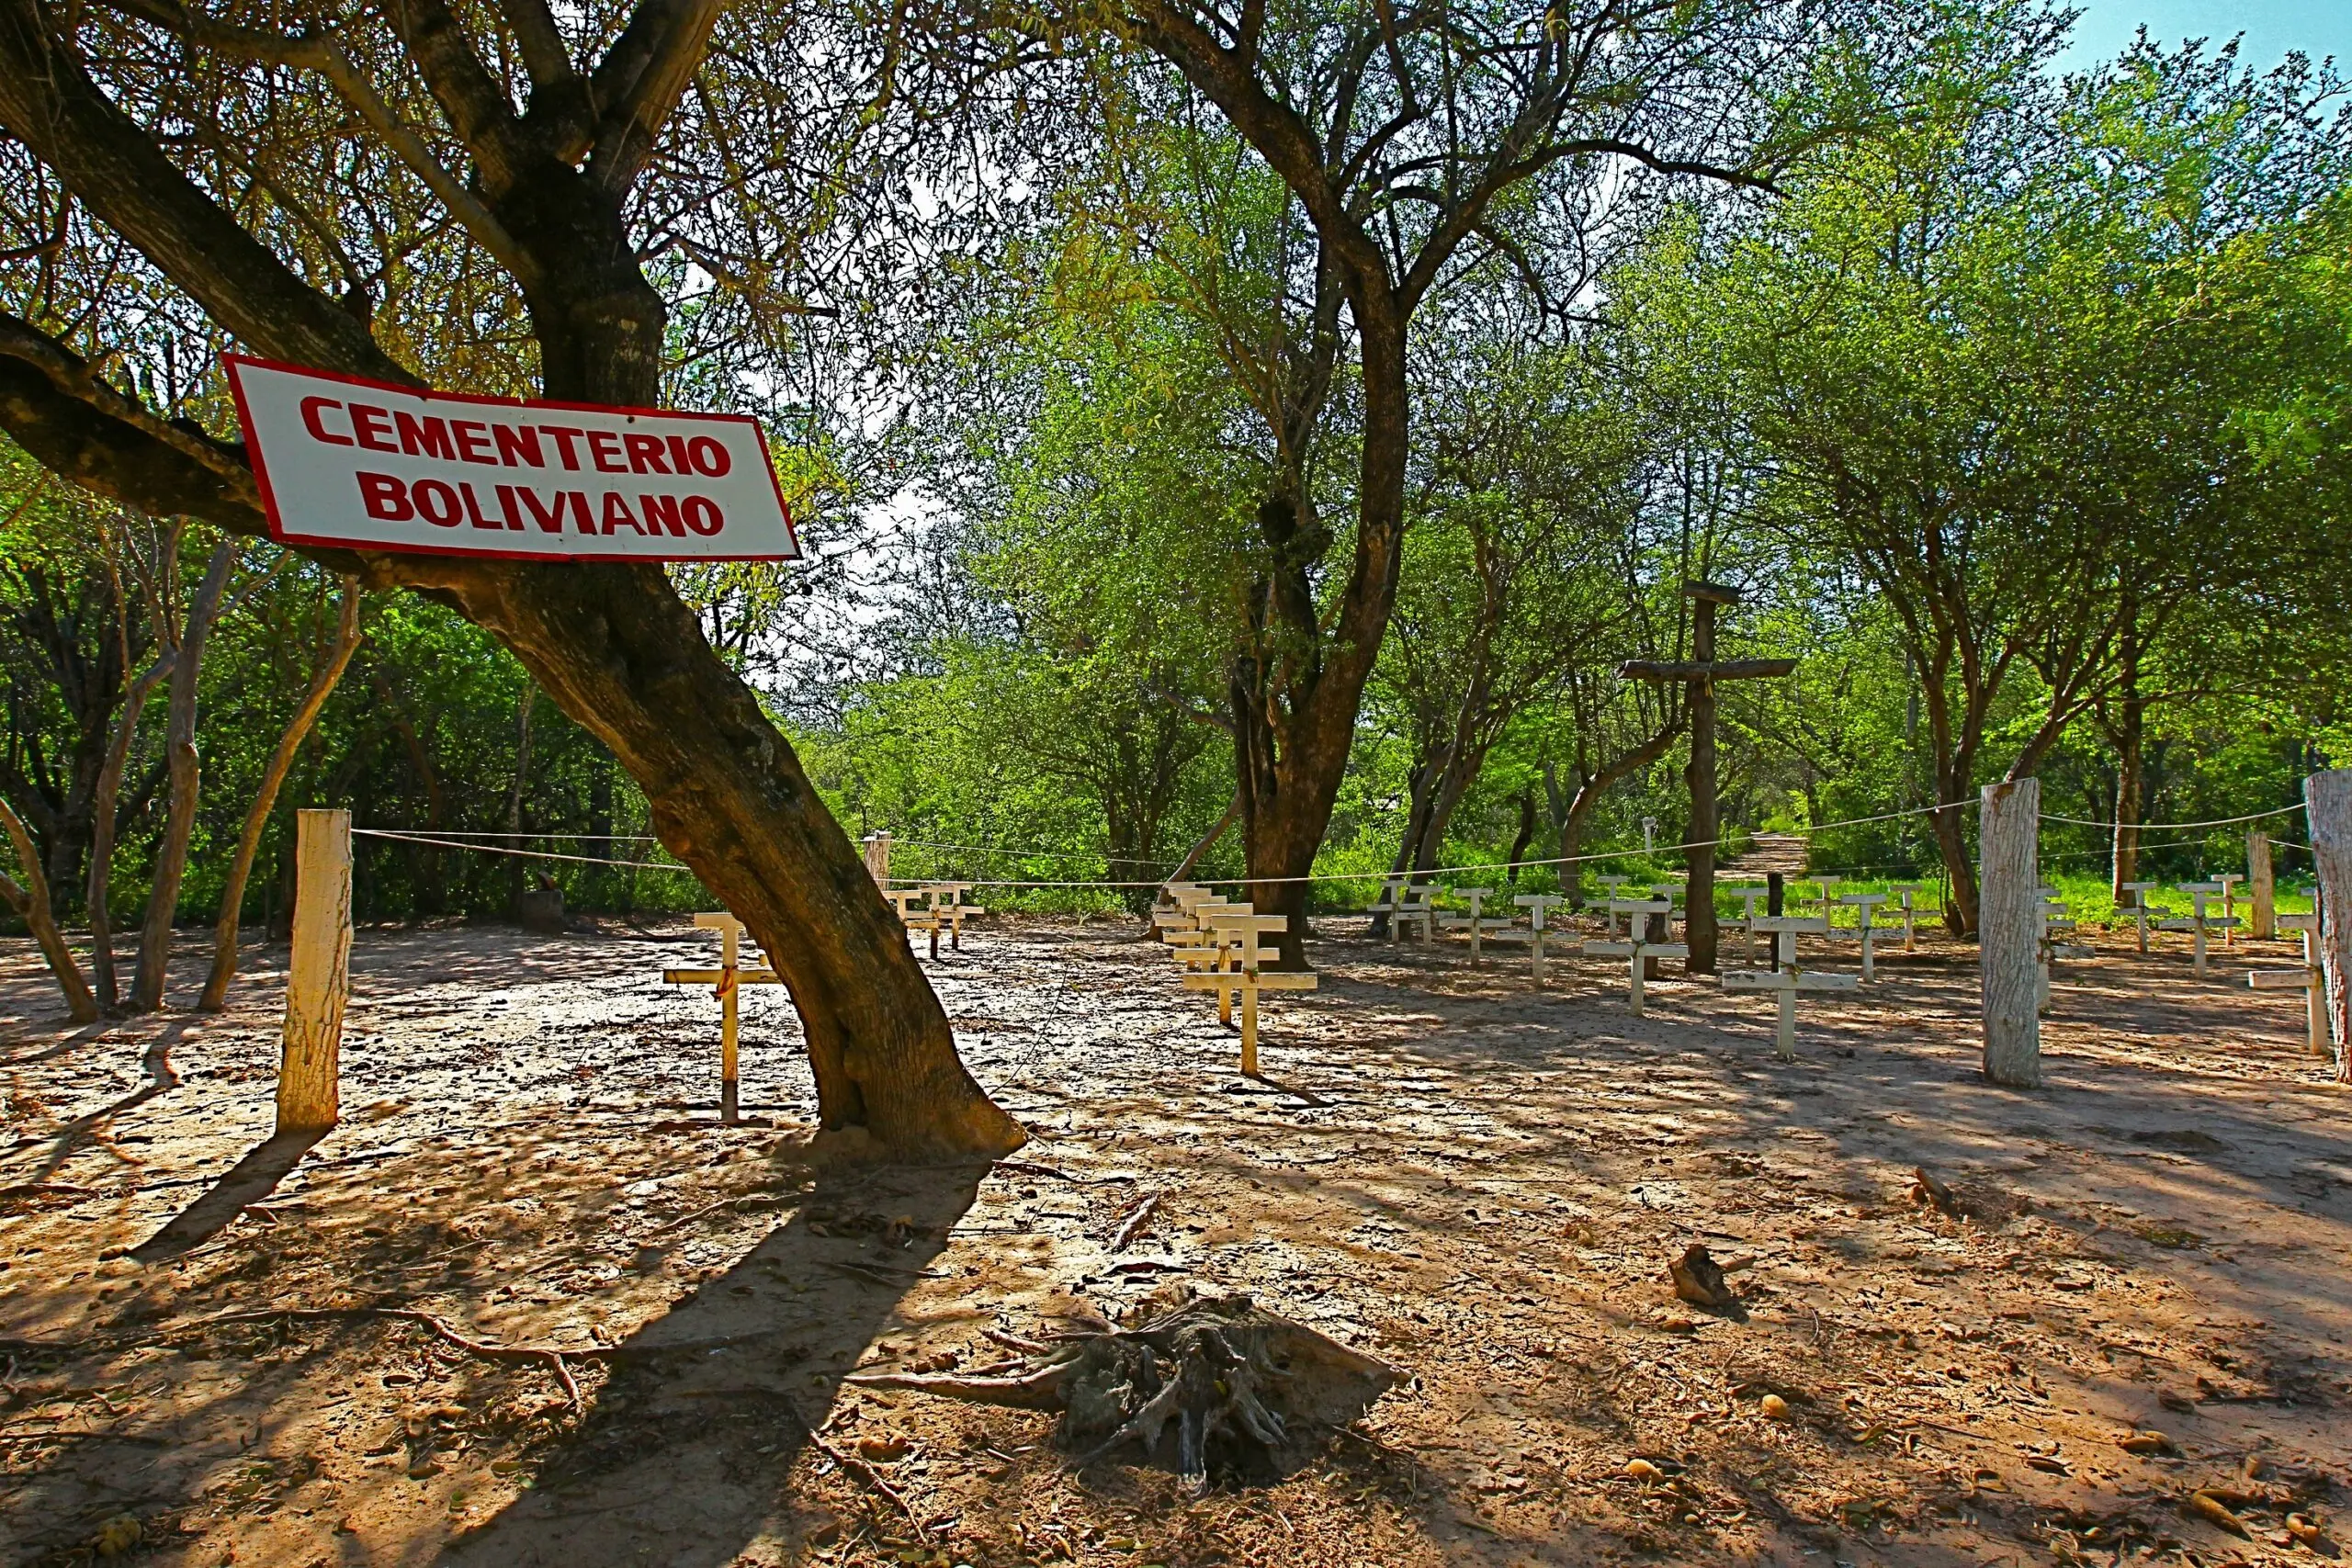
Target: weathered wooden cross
(1907, 893)
(728, 977)
(2199, 920)
(1473, 922)
(1535, 904)
(2139, 906)
(2310, 977)
(1239, 934)
(1699, 673)
(1786, 983)
(1638, 948)
(2053, 923)
(1867, 904)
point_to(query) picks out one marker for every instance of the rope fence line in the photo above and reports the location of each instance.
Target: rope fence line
(469, 841)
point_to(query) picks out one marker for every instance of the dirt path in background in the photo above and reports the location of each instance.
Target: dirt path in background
(1478, 1181)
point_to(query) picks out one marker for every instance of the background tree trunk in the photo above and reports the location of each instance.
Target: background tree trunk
(232, 893)
(171, 850)
(32, 906)
(102, 820)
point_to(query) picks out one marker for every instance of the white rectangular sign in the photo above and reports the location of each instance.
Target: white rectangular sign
(371, 467)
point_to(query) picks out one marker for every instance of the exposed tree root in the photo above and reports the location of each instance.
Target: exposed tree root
(1211, 1385)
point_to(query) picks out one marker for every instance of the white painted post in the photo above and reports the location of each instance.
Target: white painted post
(1535, 904)
(2309, 979)
(2229, 880)
(1907, 895)
(2327, 801)
(2261, 885)
(318, 976)
(2140, 891)
(1748, 897)
(2009, 927)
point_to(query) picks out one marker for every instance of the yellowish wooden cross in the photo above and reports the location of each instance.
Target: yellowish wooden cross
(727, 978)
(1237, 933)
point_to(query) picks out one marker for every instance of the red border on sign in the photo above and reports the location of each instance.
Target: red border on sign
(277, 530)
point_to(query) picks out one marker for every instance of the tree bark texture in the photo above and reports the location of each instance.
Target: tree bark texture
(2327, 801)
(31, 903)
(318, 975)
(1699, 896)
(2009, 950)
(2261, 887)
(610, 643)
(281, 760)
(179, 820)
(2129, 737)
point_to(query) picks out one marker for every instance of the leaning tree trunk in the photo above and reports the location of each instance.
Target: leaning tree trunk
(102, 814)
(32, 906)
(179, 821)
(610, 643)
(241, 867)
(1951, 843)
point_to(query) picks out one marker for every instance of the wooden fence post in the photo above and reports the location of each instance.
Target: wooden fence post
(318, 976)
(877, 858)
(2327, 801)
(2261, 887)
(2010, 931)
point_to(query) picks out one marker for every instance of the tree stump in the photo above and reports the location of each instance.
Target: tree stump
(1213, 1387)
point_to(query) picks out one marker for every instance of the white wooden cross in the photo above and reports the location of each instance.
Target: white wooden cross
(1391, 887)
(1787, 982)
(1241, 933)
(1611, 885)
(1472, 921)
(2138, 906)
(2199, 920)
(1535, 904)
(727, 978)
(1666, 890)
(1175, 899)
(1638, 948)
(1906, 893)
(2229, 881)
(2311, 978)
(1828, 885)
(1413, 908)
(2051, 918)
(1867, 903)
(1785, 929)
(1747, 916)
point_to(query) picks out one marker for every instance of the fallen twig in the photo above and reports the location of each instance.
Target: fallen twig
(857, 1470)
(1135, 1222)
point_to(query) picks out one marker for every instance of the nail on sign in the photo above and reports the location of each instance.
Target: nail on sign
(360, 464)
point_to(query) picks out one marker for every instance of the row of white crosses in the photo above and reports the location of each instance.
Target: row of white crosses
(2200, 922)
(1219, 943)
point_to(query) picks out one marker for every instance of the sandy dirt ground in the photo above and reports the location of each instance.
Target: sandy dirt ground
(1476, 1181)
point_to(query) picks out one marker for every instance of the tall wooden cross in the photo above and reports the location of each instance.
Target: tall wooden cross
(1699, 673)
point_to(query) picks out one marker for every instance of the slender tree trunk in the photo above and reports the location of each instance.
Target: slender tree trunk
(179, 821)
(232, 894)
(32, 906)
(2131, 788)
(514, 796)
(102, 821)
(1526, 834)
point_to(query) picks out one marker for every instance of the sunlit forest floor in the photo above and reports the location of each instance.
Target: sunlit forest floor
(1476, 1181)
